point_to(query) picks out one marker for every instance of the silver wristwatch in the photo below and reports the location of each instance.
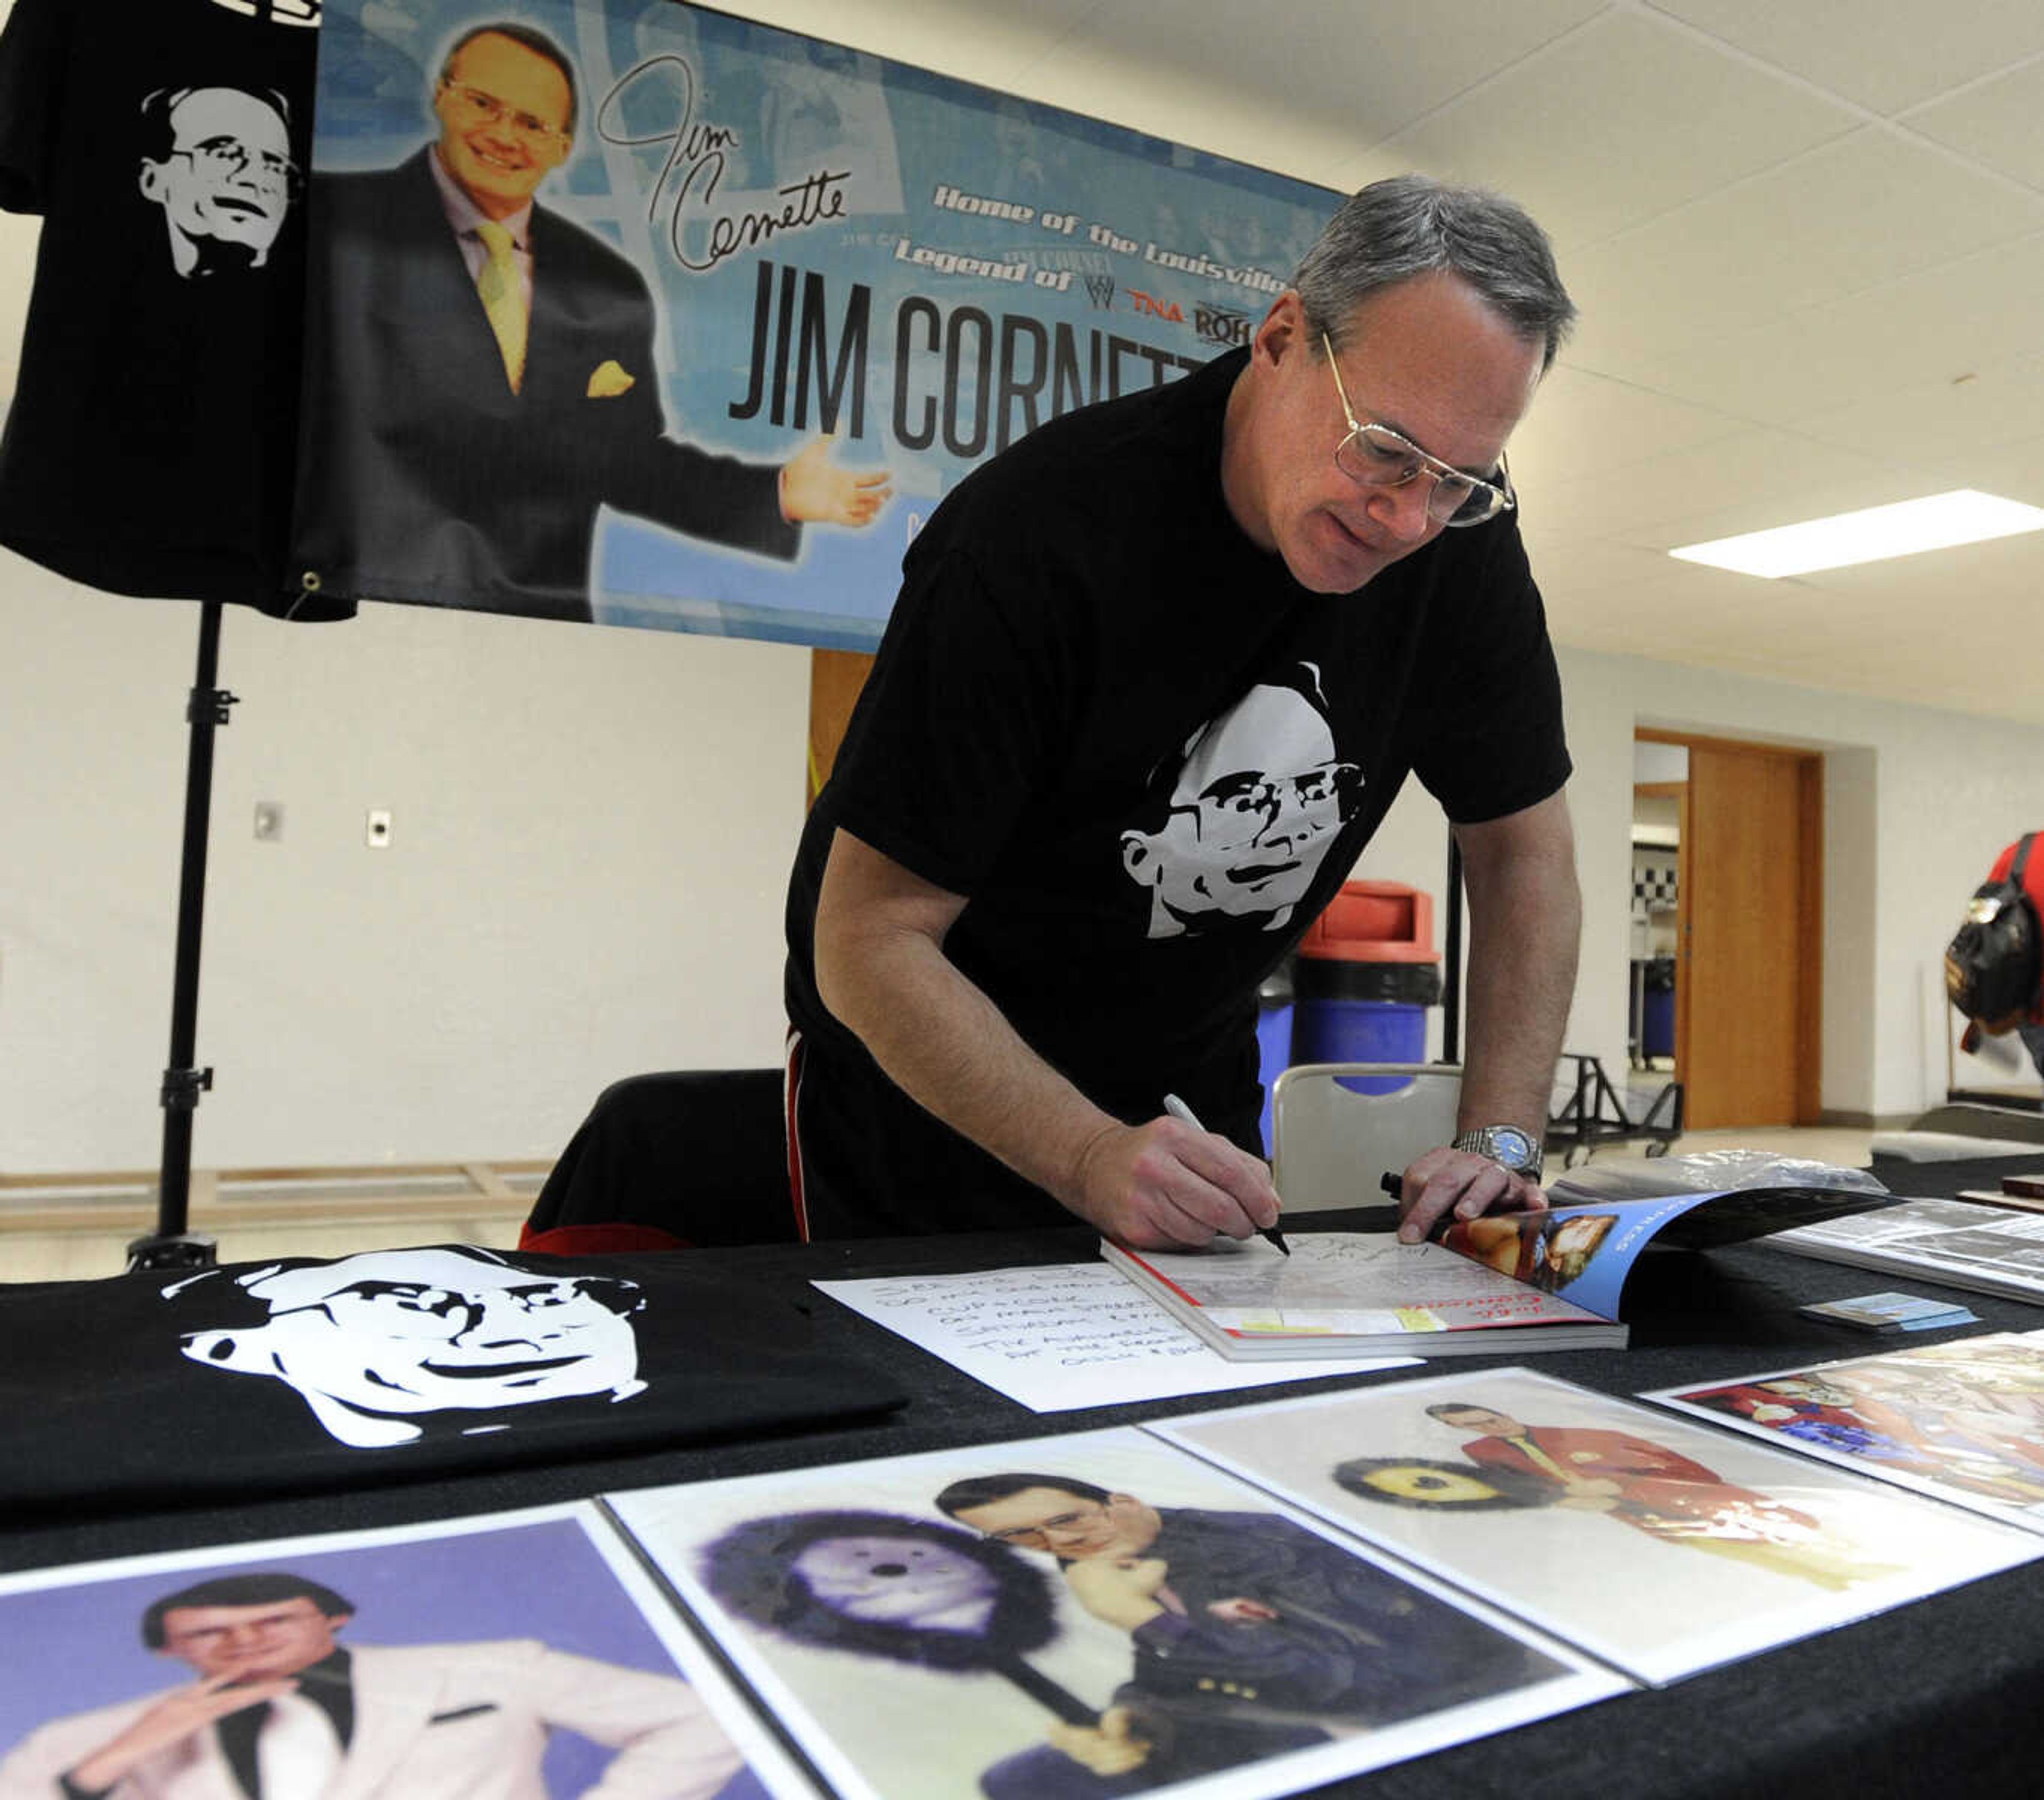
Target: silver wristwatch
(1507, 1145)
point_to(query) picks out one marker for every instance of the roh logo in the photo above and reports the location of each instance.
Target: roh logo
(1214, 327)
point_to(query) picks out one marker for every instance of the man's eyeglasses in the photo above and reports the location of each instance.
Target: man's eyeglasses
(478, 108)
(1375, 455)
(222, 159)
(1036, 1536)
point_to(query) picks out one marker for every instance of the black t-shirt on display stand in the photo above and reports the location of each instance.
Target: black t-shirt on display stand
(149, 448)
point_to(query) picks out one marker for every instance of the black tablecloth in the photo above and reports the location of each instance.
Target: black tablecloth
(1934, 1698)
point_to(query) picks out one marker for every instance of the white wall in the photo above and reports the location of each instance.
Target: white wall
(1412, 847)
(592, 833)
(1918, 801)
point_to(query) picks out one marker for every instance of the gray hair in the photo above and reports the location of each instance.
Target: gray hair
(1412, 226)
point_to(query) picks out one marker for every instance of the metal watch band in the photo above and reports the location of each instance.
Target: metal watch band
(1483, 1141)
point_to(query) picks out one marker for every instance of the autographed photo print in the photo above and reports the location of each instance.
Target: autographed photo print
(1963, 1420)
(1658, 1545)
(488, 1660)
(1096, 1612)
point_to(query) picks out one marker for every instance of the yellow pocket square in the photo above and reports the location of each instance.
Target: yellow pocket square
(609, 381)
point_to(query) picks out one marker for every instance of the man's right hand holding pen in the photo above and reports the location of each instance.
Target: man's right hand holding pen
(1169, 1185)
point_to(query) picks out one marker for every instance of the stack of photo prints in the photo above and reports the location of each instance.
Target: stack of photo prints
(1245, 1601)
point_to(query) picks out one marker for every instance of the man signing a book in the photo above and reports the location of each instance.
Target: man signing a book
(1154, 676)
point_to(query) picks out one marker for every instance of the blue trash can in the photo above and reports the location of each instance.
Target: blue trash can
(1363, 1012)
(1274, 1037)
(1657, 1028)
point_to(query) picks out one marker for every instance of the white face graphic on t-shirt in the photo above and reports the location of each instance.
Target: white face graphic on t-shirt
(369, 1341)
(1256, 807)
(226, 180)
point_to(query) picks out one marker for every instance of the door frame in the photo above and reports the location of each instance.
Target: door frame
(1809, 906)
(1678, 791)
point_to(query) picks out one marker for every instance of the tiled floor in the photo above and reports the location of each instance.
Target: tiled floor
(81, 1230)
(85, 1255)
(1823, 1144)
(81, 1253)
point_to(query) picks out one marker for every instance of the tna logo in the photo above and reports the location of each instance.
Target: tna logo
(1220, 328)
(1156, 308)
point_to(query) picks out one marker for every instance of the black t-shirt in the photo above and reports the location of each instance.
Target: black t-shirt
(395, 1365)
(149, 447)
(1148, 756)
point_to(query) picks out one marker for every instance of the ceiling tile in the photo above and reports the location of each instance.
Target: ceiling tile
(1995, 123)
(1583, 424)
(1573, 567)
(1617, 122)
(1691, 615)
(1964, 420)
(1883, 54)
(1853, 214)
(2005, 569)
(1190, 98)
(1364, 76)
(1816, 491)
(1958, 627)
(1963, 316)
(978, 40)
(2015, 471)
(1757, 470)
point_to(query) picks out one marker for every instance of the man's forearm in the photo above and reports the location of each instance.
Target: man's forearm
(1525, 925)
(951, 1050)
(881, 969)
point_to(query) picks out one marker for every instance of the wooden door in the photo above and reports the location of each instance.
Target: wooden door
(836, 679)
(1747, 997)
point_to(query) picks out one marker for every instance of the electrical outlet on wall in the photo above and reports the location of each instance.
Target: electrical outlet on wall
(376, 829)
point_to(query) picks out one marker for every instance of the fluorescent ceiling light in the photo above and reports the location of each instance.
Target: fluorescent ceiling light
(1872, 535)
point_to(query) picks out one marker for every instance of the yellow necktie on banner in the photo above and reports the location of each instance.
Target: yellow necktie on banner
(502, 289)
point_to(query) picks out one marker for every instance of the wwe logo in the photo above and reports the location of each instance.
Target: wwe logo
(1100, 290)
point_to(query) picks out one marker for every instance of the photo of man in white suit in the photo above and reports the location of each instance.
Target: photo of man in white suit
(281, 1710)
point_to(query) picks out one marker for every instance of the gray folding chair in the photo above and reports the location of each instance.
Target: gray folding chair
(1336, 1127)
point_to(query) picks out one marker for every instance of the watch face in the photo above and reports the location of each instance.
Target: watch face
(1506, 1145)
(1511, 1147)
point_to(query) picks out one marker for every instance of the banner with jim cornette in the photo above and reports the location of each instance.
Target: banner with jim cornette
(626, 311)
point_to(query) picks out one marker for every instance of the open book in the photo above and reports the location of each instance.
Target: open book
(1506, 1281)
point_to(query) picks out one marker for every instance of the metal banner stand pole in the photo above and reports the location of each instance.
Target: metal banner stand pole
(172, 1247)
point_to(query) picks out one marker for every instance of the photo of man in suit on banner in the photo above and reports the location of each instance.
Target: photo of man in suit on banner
(482, 374)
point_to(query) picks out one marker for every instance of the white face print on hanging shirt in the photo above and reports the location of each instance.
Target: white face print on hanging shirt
(1257, 806)
(225, 180)
(370, 1341)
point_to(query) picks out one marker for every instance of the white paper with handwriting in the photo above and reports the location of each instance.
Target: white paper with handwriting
(1066, 1335)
